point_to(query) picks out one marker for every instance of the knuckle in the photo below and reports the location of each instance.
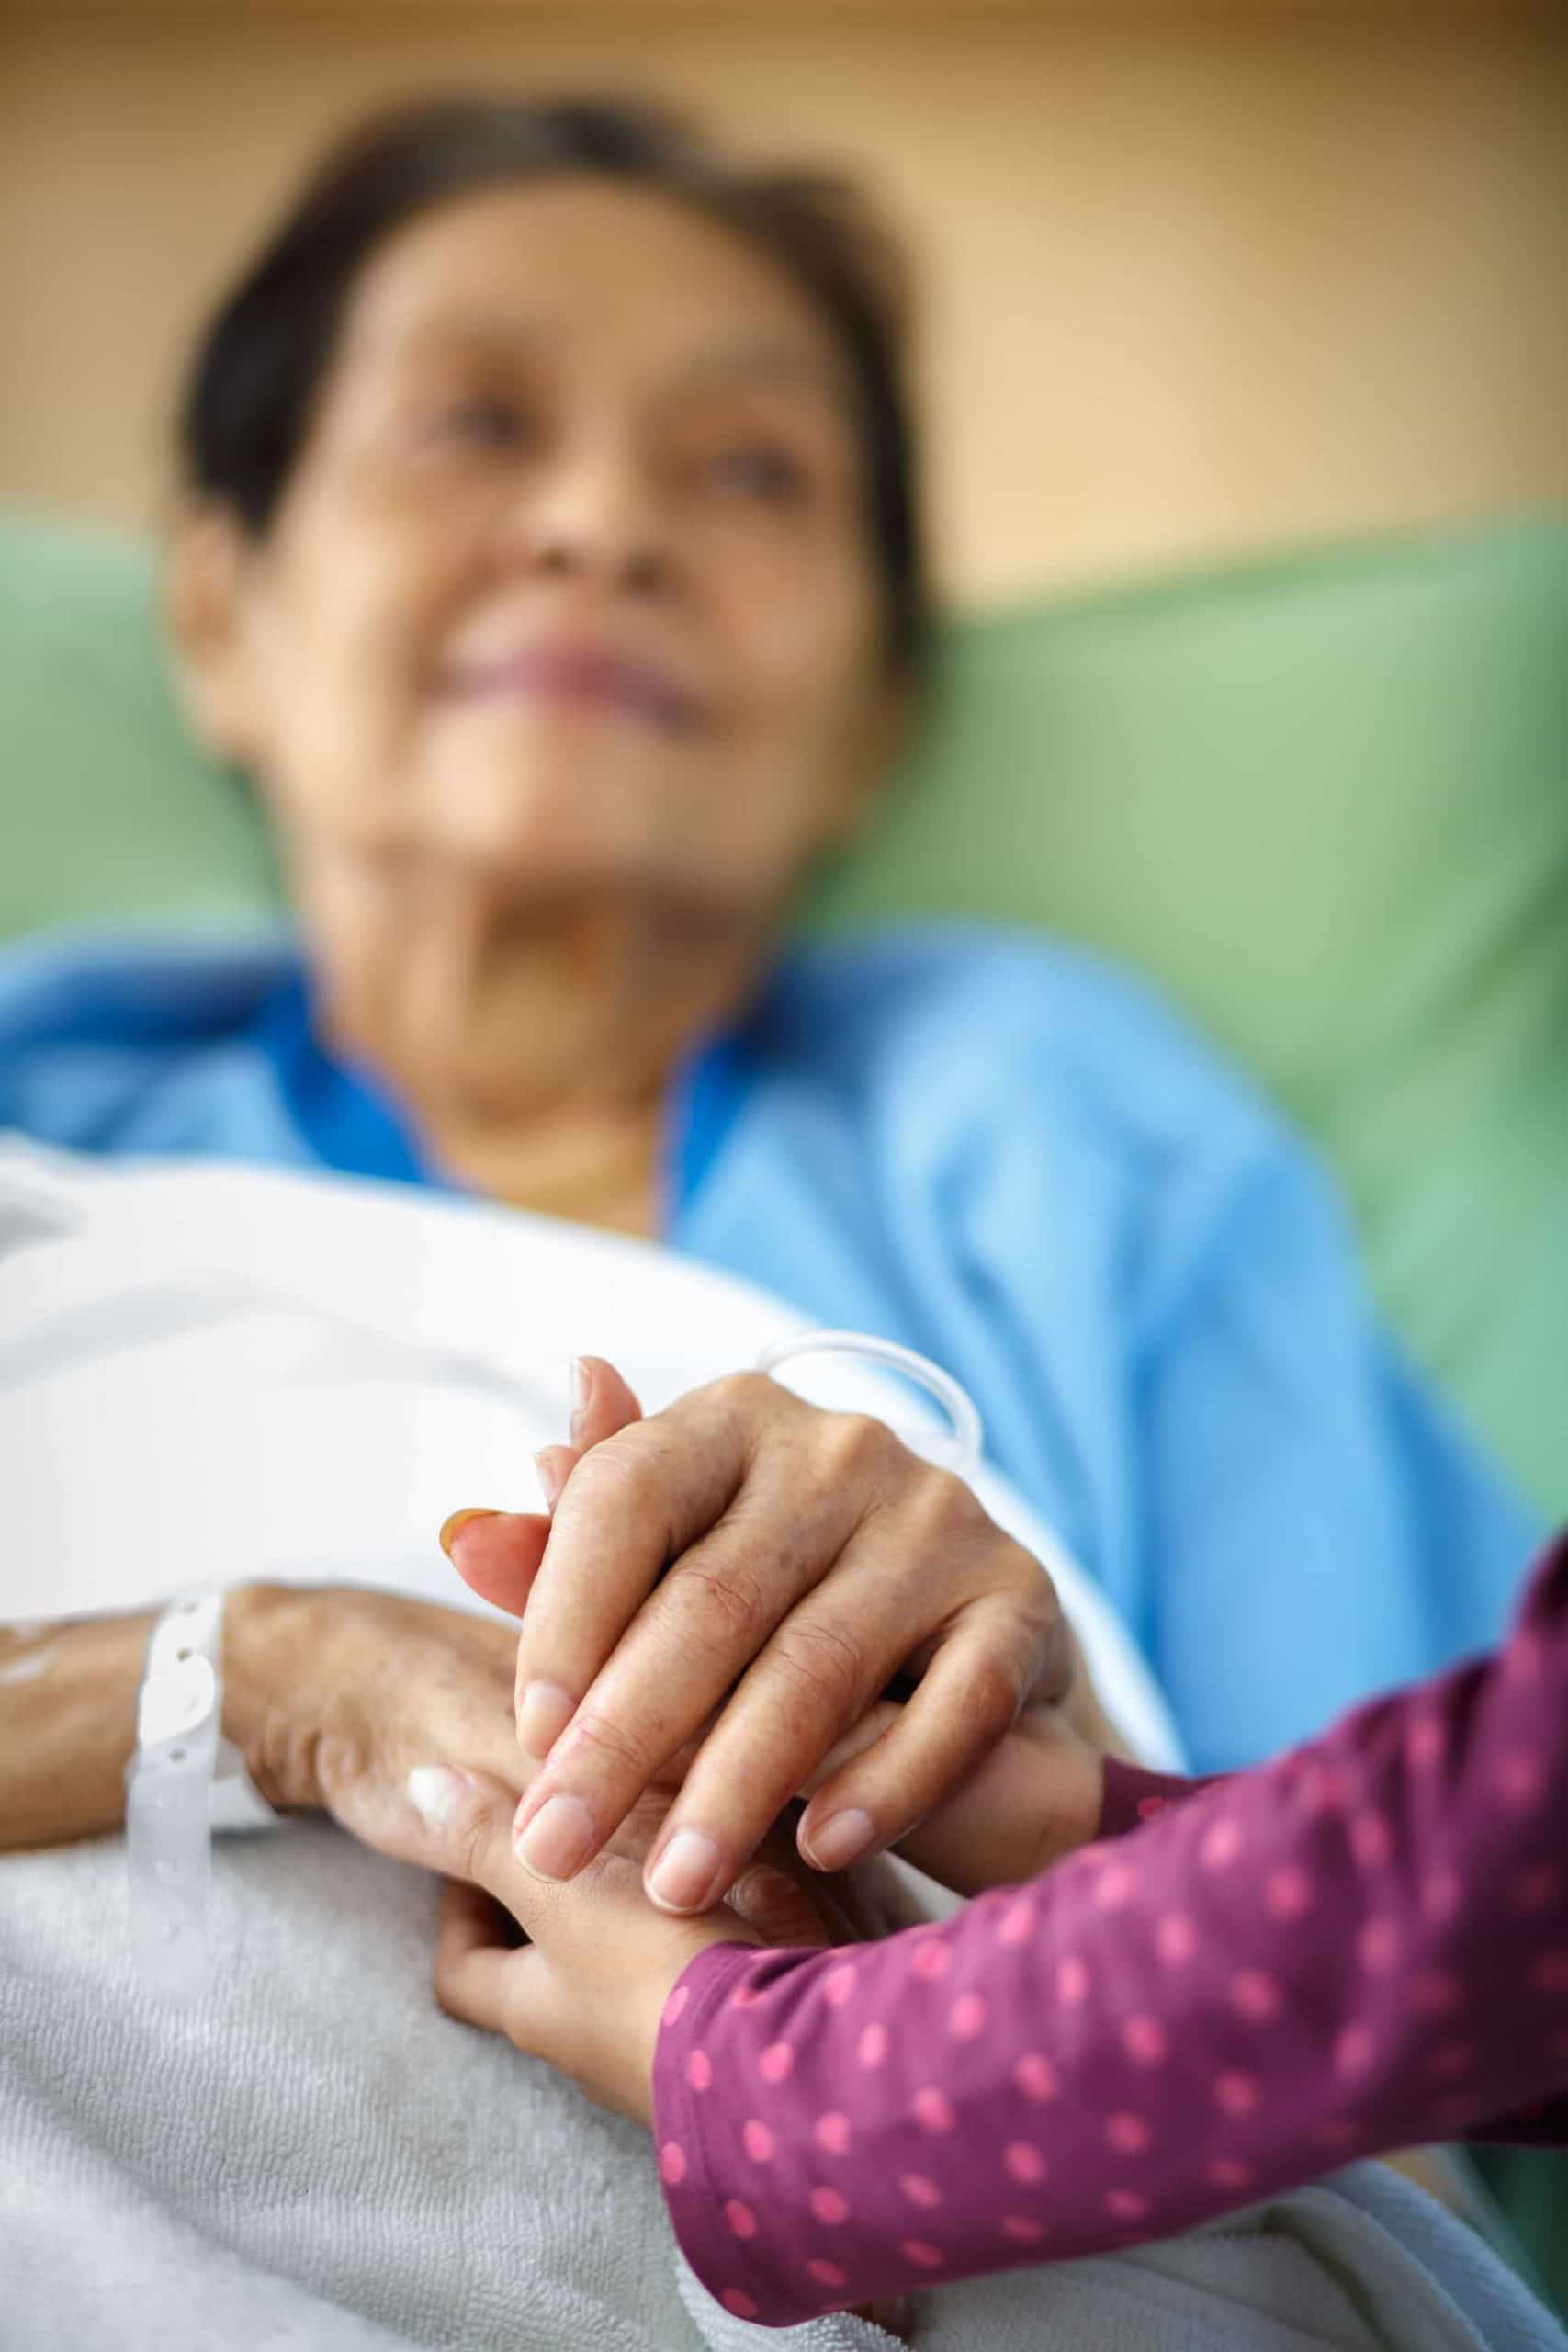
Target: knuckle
(621, 1473)
(599, 1739)
(858, 1448)
(943, 1510)
(1033, 1600)
(865, 1438)
(303, 1766)
(728, 1599)
(993, 1694)
(745, 1393)
(824, 1667)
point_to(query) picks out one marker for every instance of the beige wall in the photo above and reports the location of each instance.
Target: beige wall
(1196, 281)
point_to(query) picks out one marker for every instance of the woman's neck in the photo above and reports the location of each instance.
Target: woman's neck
(533, 1048)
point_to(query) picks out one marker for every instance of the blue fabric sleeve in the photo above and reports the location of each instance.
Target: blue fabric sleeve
(1311, 1513)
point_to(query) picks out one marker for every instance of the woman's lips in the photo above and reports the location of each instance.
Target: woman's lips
(578, 675)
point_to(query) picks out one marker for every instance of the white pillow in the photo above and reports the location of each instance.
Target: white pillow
(213, 1372)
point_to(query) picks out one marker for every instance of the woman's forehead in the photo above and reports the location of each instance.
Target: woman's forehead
(577, 267)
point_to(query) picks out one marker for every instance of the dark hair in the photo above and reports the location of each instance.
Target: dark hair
(256, 371)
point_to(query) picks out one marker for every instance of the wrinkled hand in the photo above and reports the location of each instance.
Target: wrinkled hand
(355, 1686)
(742, 1577)
(361, 1686)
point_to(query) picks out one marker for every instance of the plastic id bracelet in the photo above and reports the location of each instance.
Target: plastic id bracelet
(174, 1796)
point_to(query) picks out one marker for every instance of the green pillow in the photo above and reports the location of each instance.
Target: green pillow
(1322, 802)
(107, 807)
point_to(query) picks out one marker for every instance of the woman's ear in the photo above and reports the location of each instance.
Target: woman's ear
(203, 603)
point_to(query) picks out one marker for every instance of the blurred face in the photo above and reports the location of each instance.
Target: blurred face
(570, 594)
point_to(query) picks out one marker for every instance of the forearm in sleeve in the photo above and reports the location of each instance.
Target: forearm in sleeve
(1358, 1946)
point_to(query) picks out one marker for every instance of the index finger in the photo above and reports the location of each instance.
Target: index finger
(632, 1503)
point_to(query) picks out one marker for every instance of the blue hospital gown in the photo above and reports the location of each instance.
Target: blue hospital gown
(1009, 1156)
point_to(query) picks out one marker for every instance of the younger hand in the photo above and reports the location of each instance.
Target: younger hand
(587, 1991)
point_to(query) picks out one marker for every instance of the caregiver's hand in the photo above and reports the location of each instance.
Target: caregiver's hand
(747, 1568)
(588, 1991)
(588, 1996)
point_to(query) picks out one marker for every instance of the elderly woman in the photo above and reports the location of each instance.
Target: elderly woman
(548, 560)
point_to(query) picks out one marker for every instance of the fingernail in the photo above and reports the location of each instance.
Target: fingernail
(548, 1472)
(582, 1384)
(557, 1838)
(841, 1836)
(685, 1876)
(545, 1713)
(451, 1528)
(435, 1793)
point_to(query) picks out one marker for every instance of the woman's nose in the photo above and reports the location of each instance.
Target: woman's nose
(596, 520)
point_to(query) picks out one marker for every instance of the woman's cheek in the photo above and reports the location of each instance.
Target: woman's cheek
(805, 631)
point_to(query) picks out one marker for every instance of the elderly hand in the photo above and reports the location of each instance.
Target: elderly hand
(351, 1688)
(749, 1572)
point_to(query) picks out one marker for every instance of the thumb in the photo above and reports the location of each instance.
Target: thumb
(483, 1978)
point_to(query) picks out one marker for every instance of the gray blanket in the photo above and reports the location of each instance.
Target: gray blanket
(318, 2161)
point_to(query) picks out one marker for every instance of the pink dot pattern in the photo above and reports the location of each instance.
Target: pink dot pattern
(1035, 2077)
(1239, 1986)
(1146, 2041)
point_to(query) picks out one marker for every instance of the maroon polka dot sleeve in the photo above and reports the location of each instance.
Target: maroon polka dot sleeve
(1362, 1945)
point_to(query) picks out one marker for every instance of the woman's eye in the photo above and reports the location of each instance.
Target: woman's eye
(772, 475)
(482, 423)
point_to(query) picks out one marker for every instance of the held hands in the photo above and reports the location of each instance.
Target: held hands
(587, 1991)
(811, 1560)
(1004, 1798)
(368, 1692)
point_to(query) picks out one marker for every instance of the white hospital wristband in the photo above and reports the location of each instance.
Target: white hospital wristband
(184, 1781)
